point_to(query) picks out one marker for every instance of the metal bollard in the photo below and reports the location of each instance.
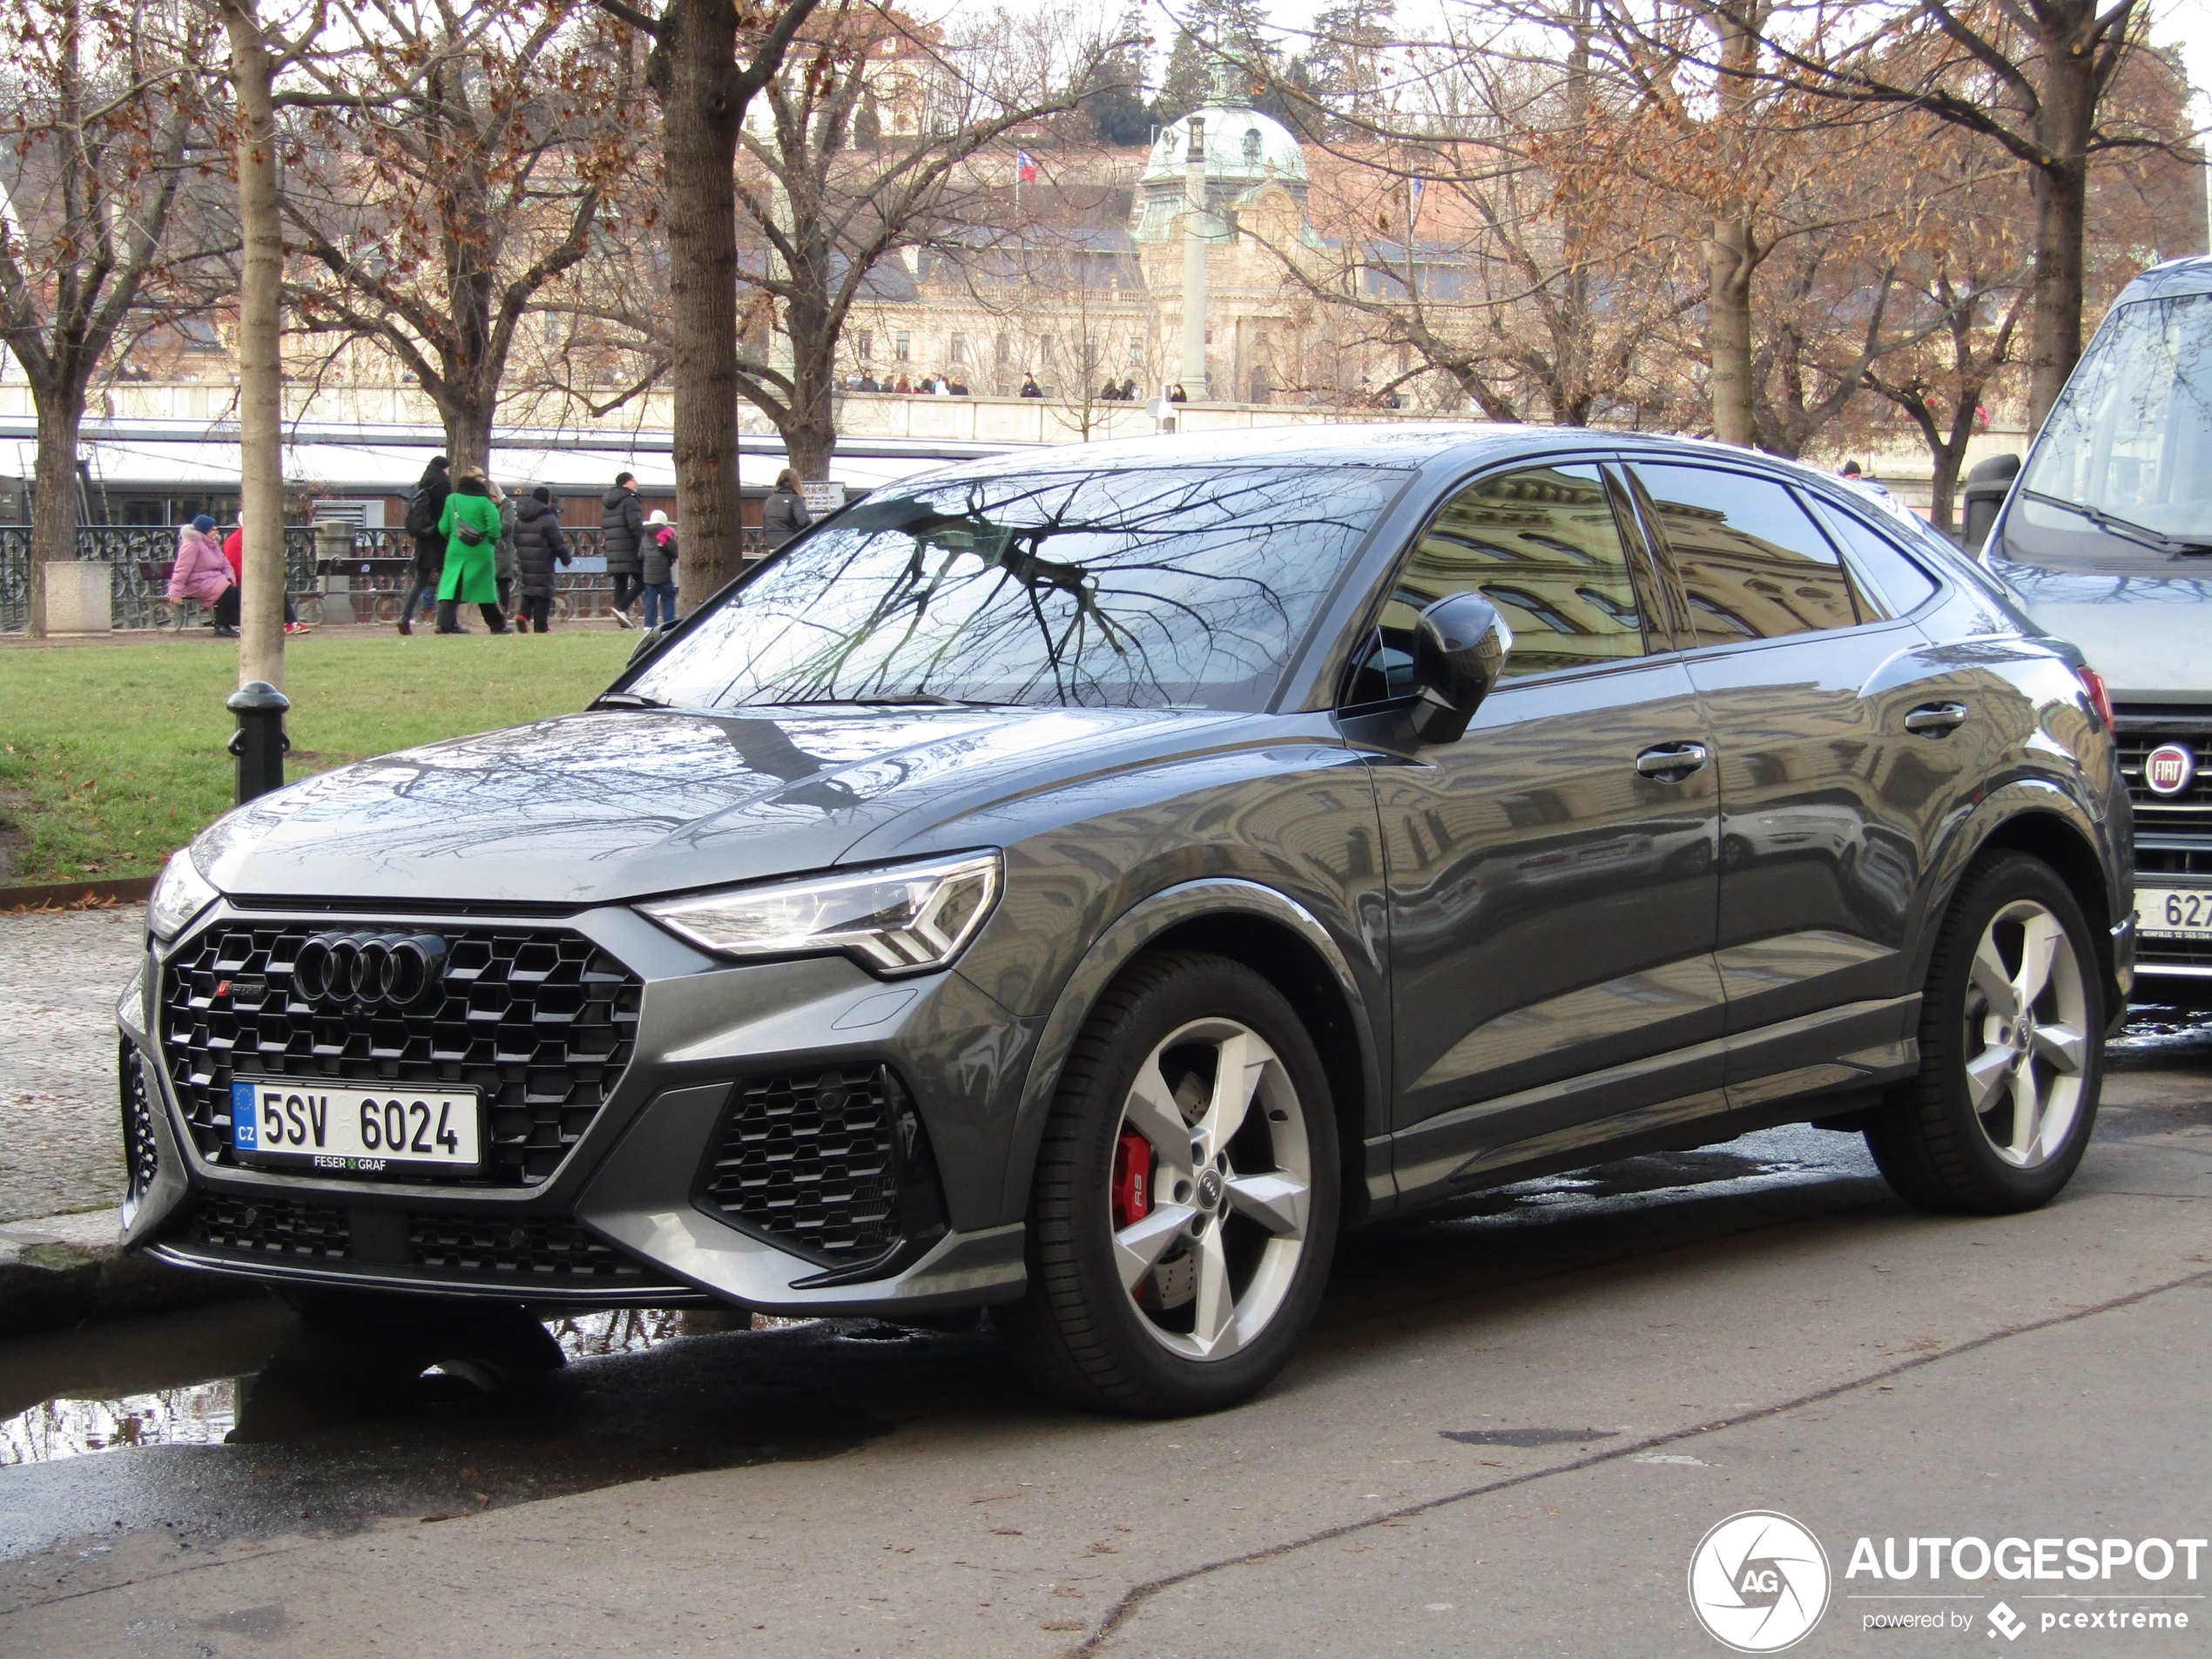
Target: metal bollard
(260, 742)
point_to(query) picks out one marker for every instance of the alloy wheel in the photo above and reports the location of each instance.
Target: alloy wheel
(1212, 1180)
(2027, 1035)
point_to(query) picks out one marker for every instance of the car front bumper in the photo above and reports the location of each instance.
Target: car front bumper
(623, 1206)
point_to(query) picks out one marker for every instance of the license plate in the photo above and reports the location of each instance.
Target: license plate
(2184, 912)
(354, 1131)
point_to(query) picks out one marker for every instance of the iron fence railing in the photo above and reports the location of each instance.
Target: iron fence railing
(380, 567)
(138, 557)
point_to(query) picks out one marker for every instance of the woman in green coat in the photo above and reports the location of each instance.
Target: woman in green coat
(470, 525)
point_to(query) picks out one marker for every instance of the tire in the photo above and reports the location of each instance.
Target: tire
(2001, 1111)
(308, 608)
(1195, 1300)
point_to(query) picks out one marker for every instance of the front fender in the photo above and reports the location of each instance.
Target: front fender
(1137, 927)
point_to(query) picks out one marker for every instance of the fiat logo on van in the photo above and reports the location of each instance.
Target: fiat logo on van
(2169, 769)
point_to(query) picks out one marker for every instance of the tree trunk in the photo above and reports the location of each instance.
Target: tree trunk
(53, 518)
(261, 363)
(2061, 190)
(469, 437)
(690, 69)
(1728, 329)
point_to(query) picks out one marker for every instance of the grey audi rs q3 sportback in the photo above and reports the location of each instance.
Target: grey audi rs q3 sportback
(1083, 884)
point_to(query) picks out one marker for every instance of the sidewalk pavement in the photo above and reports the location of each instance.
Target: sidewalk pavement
(60, 974)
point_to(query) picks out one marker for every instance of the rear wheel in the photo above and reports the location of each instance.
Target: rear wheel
(2012, 1026)
(1185, 1209)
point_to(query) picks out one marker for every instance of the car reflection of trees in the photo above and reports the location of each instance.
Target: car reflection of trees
(1147, 589)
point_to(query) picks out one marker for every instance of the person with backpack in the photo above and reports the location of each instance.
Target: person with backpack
(423, 514)
(470, 526)
(660, 569)
(783, 514)
(202, 575)
(622, 524)
(539, 544)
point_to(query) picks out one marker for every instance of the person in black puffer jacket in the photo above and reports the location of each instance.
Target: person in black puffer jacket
(622, 519)
(423, 511)
(539, 544)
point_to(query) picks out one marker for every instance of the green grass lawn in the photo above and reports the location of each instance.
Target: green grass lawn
(113, 756)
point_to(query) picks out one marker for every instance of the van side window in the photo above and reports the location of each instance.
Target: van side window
(1542, 546)
(1753, 565)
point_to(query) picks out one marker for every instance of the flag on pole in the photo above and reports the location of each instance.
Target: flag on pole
(1025, 170)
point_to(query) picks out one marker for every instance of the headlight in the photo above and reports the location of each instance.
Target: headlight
(180, 894)
(907, 919)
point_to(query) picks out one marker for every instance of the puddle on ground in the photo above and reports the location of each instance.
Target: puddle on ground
(207, 1413)
(2157, 1035)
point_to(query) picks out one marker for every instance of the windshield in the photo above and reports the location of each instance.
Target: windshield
(2127, 450)
(1165, 587)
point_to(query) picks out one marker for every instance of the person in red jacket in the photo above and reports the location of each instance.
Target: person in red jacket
(234, 551)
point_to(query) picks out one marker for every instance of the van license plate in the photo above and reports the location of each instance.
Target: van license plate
(354, 1131)
(2176, 913)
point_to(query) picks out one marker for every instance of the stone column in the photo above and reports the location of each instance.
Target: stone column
(1193, 374)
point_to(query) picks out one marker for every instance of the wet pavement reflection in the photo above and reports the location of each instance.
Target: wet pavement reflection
(246, 1420)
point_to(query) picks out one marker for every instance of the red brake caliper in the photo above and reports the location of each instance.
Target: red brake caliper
(1132, 1189)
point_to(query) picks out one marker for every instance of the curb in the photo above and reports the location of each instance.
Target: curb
(60, 1272)
(68, 895)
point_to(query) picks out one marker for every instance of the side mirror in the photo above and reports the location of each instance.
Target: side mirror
(647, 644)
(1459, 647)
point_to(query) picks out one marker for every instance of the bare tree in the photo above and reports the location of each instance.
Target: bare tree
(99, 130)
(2034, 78)
(460, 167)
(709, 58)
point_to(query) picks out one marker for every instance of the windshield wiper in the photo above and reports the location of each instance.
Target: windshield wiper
(628, 700)
(2126, 528)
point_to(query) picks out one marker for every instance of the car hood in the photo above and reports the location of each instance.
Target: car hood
(2145, 634)
(590, 808)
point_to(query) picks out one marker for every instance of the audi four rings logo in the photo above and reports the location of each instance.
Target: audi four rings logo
(373, 970)
(2169, 768)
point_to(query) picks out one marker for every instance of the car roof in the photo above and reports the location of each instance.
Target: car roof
(2176, 277)
(1446, 445)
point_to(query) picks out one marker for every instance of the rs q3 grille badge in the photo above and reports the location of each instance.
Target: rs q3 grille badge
(368, 971)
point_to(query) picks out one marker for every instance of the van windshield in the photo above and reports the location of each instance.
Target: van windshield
(1156, 587)
(2123, 475)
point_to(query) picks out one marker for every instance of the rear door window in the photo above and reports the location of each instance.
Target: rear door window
(1542, 544)
(1753, 565)
(1903, 587)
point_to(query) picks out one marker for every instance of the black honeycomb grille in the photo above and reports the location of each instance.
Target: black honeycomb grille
(540, 1021)
(526, 1252)
(808, 1160)
(289, 1227)
(141, 1152)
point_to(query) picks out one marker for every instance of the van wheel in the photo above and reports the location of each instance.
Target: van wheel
(1184, 1207)
(2011, 1042)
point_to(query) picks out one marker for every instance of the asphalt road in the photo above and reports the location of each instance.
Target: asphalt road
(1508, 1437)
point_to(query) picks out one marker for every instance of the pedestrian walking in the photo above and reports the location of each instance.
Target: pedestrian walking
(470, 525)
(622, 522)
(783, 514)
(1129, 388)
(539, 543)
(504, 559)
(1029, 387)
(660, 569)
(203, 576)
(423, 513)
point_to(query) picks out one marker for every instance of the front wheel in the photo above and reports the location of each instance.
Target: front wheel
(1185, 1209)
(2011, 1025)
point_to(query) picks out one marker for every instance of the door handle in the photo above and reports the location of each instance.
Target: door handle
(1936, 719)
(1672, 762)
